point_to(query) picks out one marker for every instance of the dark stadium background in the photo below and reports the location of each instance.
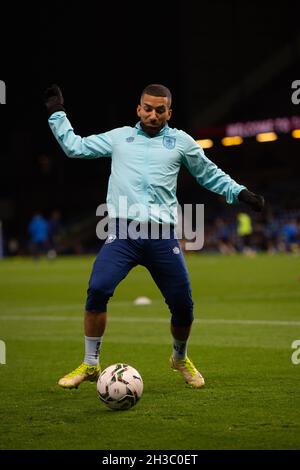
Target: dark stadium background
(224, 61)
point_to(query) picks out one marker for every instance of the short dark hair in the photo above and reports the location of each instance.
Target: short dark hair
(155, 89)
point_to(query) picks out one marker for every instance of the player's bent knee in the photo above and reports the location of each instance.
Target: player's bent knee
(96, 312)
(182, 318)
(181, 306)
(97, 299)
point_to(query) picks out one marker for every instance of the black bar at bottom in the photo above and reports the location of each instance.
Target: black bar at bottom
(138, 458)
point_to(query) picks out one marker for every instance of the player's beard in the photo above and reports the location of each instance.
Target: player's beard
(151, 131)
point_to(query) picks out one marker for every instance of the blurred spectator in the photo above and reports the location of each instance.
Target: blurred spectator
(38, 229)
(290, 236)
(55, 226)
(272, 232)
(223, 237)
(244, 232)
(13, 246)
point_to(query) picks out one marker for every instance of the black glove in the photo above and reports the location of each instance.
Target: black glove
(54, 99)
(256, 201)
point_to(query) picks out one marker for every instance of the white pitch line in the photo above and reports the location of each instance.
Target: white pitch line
(121, 303)
(214, 321)
(60, 308)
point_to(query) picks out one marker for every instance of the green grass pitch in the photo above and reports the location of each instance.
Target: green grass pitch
(247, 313)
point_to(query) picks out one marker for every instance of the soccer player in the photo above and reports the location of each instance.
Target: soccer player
(146, 159)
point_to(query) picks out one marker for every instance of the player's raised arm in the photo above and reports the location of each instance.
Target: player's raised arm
(73, 145)
(211, 177)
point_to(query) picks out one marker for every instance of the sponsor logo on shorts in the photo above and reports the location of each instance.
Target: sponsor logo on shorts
(110, 238)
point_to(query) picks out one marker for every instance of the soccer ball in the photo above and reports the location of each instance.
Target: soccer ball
(120, 386)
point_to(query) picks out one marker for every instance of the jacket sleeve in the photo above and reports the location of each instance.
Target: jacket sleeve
(73, 145)
(207, 173)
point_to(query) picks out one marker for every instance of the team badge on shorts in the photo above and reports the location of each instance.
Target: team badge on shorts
(110, 239)
(176, 250)
(169, 142)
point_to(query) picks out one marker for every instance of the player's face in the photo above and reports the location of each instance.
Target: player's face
(154, 112)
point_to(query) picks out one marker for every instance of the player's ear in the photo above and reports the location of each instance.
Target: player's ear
(138, 110)
(169, 114)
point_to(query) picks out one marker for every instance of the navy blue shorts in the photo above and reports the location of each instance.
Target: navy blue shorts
(162, 257)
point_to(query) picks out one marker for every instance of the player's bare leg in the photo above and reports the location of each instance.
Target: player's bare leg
(179, 360)
(181, 332)
(94, 323)
(89, 370)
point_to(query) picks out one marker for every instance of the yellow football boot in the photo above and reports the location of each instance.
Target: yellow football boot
(189, 372)
(82, 373)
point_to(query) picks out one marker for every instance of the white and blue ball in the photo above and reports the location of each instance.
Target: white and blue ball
(120, 386)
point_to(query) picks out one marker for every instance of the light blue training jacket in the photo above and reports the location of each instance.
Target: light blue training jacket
(144, 168)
